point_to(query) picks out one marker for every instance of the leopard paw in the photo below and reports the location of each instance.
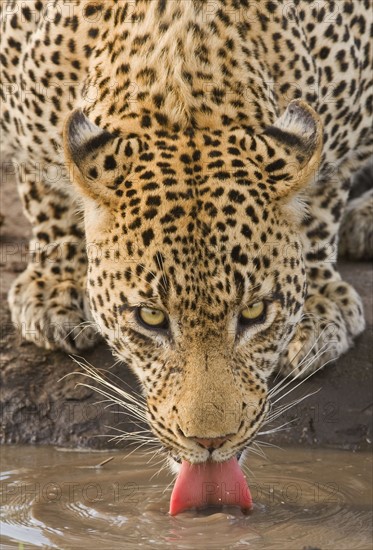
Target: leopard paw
(356, 231)
(50, 313)
(331, 320)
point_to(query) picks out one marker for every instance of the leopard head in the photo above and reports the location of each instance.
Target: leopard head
(196, 275)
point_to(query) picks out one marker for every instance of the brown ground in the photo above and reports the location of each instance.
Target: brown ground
(38, 406)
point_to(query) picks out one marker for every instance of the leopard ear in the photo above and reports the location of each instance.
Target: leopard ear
(97, 160)
(297, 139)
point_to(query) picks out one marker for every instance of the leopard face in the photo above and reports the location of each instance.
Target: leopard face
(196, 275)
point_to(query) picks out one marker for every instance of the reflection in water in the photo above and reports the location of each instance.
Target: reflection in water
(303, 498)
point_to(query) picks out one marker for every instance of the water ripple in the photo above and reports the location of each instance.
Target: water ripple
(302, 498)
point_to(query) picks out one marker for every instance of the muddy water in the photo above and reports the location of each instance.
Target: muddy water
(303, 498)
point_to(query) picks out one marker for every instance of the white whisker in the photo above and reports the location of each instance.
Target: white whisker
(304, 367)
(284, 408)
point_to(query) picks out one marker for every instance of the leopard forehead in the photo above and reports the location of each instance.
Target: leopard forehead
(180, 179)
(202, 199)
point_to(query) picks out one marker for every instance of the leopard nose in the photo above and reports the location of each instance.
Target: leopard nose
(211, 444)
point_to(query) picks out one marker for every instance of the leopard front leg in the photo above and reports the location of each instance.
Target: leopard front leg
(333, 311)
(48, 301)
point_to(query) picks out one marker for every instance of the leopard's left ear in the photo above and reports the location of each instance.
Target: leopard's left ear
(97, 160)
(297, 139)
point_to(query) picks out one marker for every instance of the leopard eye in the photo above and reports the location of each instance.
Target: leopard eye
(254, 313)
(152, 318)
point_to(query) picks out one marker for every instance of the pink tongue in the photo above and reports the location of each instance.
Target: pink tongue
(210, 484)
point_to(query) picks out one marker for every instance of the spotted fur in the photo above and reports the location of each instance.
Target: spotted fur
(210, 146)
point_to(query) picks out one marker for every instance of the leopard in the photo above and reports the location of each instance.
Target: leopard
(186, 167)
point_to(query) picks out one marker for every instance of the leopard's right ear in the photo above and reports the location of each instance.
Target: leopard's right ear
(297, 139)
(97, 160)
